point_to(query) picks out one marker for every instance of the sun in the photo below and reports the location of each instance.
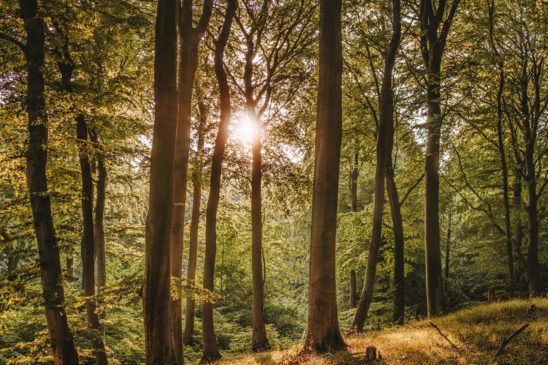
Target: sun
(245, 127)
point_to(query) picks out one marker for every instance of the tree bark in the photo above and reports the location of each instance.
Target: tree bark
(352, 289)
(66, 67)
(210, 347)
(99, 228)
(354, 183)
(384, 150)
(156, 290)
(518, 234)
(448, 245)
(188, 62)
(260, 342)
(323, 325)
(194, 224)
(397, 228)
(502, 153)
(434, 33)
(88, 242)
(62, 343)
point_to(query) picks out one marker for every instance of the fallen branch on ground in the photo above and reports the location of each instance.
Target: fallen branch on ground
(444, 336)
(506, 341)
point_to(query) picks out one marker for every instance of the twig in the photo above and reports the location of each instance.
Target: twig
(444, 336)
(506, 341)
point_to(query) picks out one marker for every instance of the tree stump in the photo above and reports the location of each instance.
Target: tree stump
(371, 353)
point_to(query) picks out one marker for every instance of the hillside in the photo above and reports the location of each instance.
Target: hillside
(476, 332)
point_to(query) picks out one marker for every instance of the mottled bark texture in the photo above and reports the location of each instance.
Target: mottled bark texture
(195, 222)
(61, 339)
(210, 347)
(323, 325)
(384, 151)
(434, 30)
(156, 290)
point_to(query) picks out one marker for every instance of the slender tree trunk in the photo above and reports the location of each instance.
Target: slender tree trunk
(532, 223)
(187, 69)
(62, 343)
(70, 269)
(434, 291)
(518, 234)
(448, 245)
(190, 38)
(194, 224)
(434, 31)
(384, 150)
(323, 325)
(505, 193)
(354, 183)
(397, 228)
(66, 67)
(260, 342)
(88, 242)
(156, 296)
(210, 347)
(502, 152)
(99, 218)
(99, 229)
(352, 289)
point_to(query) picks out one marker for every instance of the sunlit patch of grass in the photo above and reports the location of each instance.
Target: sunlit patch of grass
(476, 332)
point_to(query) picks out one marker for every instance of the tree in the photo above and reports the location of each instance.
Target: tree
(323, 325)
(156, 290)
(210, 347)
(64, 351)
(385, 137)
(195, 220)
(434, 31)
(190, 37)
(88, 242)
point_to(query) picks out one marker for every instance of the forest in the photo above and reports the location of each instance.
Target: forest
(273, 182)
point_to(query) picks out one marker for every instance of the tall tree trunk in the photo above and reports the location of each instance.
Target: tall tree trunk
(188, 62)
(530, 128)
(156, 290)
(518, 234)
(352, 289)
(323, 324)
(260, 342)
(99, 230)
(354, 183)
(397, 228)
(66, 67)
(505, 189)
(448, 245)
(62, 343)
(210, 347)
(532, 223)
(434, 291)
(502, 152)
(434, 33)
(384, 150)
(88, 242)
(194, 224)
(61, 338)
(99, 227)
(187, 68)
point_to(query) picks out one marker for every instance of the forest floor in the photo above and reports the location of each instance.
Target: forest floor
(472, 337)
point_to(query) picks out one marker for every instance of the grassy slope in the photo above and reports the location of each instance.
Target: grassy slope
(477, 332)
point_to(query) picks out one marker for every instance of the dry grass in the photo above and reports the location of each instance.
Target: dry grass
(476, 332)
